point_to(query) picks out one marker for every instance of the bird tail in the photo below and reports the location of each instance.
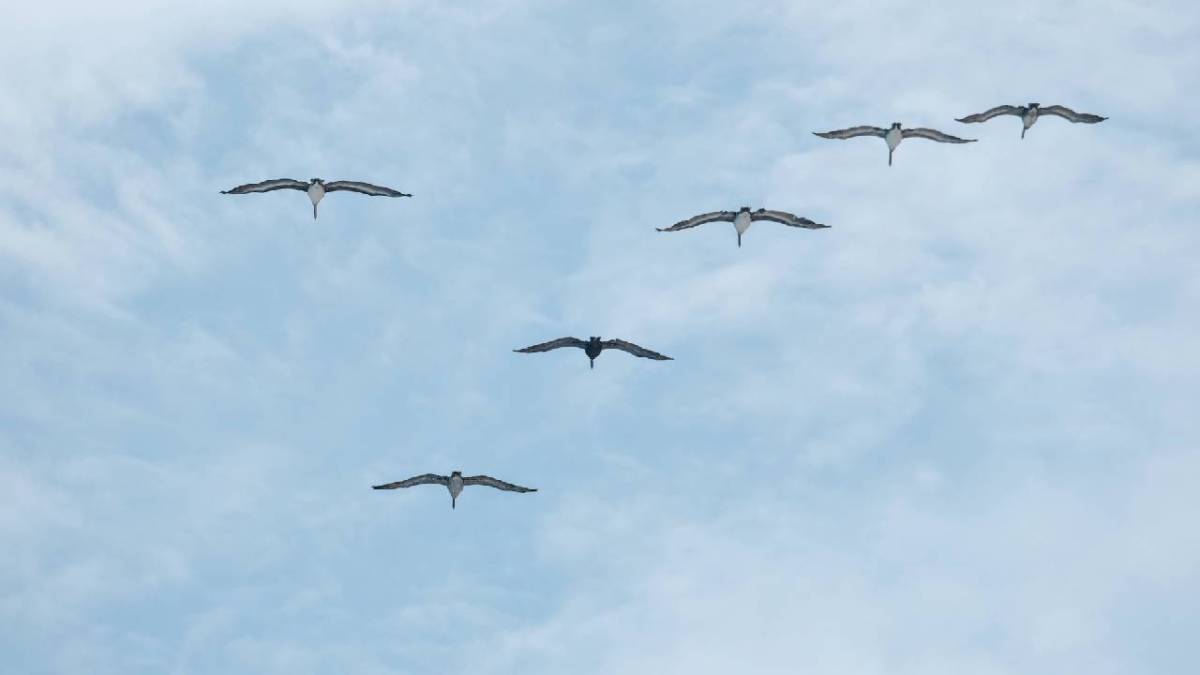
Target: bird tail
(890, 151)
(1023, 130)
(453, 500)
(314, 211)
(739, 239)
(592, 363)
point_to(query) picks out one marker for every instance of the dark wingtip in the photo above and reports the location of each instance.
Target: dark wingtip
(962, 119)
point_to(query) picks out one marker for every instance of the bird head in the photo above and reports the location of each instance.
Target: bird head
(456, 473)
(1033, 105)
(315, 181)
(895, 125)
(593, 339)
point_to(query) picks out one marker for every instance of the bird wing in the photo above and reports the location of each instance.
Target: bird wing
(701, 219)
(851, 132)
(989, 114)
(934, 135)
(1068, 114)
(786, 218)
(553, 344)
(267, 186)
(363, 188)
(423, 479)
(633, 349)
(496, 483)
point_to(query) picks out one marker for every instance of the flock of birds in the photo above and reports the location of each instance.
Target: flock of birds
(316, 189)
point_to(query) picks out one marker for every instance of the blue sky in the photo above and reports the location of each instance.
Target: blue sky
(953, 434)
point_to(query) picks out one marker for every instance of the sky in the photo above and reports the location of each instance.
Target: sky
(954, 433)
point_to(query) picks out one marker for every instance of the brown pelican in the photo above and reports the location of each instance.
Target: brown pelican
(455, 483)
(592, 347)
(316, 188)
(1030, 113)
(893, 135)
(741, 220)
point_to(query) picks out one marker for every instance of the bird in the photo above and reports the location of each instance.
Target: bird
(741, 220)
(316, 189)
(1030, 113)
(893, 135)
(454, 483)
(593, 346)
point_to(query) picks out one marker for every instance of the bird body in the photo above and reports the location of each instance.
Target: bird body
(1030, 114)
(316, 192)
(742, 219)
(893, 135)
(455, 483)
(741, 223)
(592, 348)
(315, 188)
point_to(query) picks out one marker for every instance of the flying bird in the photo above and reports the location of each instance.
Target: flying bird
(455, 483)
(741, 220)
(593, 346)
(893, 135)
(316, 189)
(1030, 113)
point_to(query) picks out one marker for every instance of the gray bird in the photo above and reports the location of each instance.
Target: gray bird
(1029, 115)
(741, 220)
(316, 189)
(893, 135)
(593, 346)
(454, 483)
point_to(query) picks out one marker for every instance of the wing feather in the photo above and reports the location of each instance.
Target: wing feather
(715, 216)
(634, 349)
(1070, 115)
(851, 132)
(934, 135)
(423, 479)
(553, 344)
(496, 483)
(994, 112)
(267, 186)
(786, 218)
(363, 188)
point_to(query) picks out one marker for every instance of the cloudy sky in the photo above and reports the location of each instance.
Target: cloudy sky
(955, 433)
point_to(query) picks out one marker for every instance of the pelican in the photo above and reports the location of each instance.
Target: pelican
(593, 346)
(741, 220)
(454, 483)
(316, 189)
(1030, 113)
(893, 135)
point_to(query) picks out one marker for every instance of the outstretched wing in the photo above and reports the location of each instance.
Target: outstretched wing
(423, 479)
(786, 218)
(633, 349)
(1071, 115)
(843, 134)
(363, 188)
(726, 216)
(553, 344)
(994, 112)
(267, 186)
(934, 135)
(496, 483)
